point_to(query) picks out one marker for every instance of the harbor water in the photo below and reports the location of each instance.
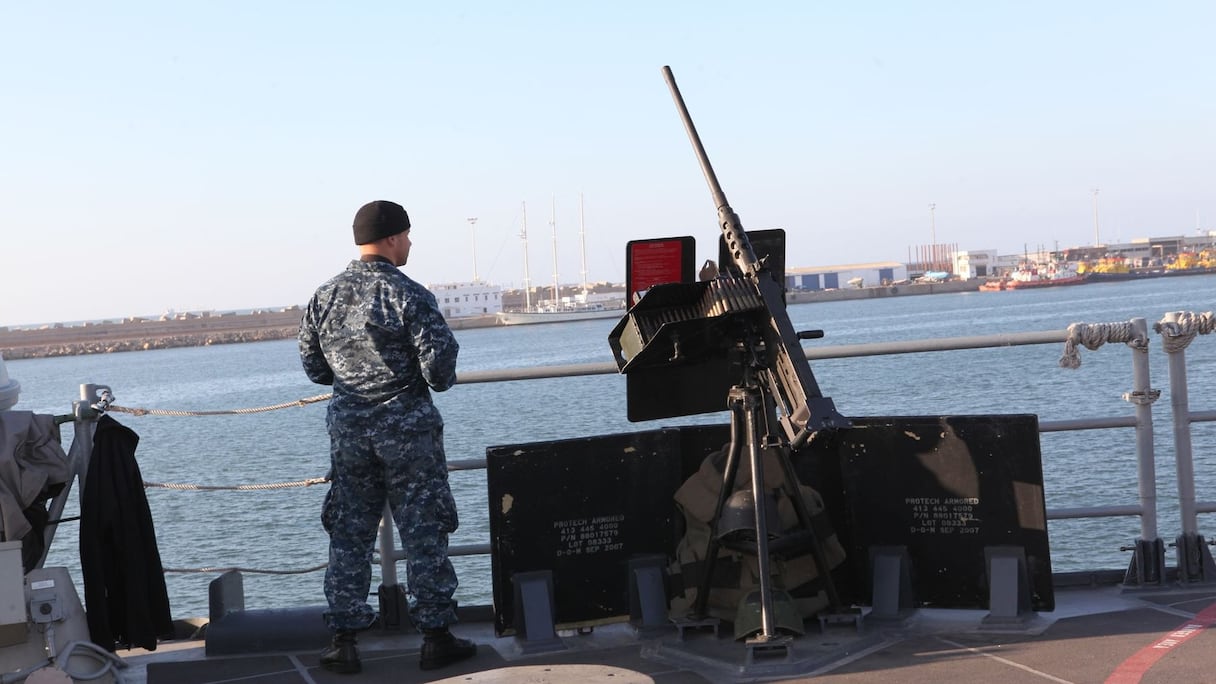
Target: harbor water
(280, 530)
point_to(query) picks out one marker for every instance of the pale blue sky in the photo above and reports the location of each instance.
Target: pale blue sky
(211, 155)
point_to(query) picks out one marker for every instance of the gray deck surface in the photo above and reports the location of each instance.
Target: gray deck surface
(1095, 635)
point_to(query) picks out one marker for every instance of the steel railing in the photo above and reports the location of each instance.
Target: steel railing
(1148, 563)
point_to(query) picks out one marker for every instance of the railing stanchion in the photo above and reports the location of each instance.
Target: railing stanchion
(394, 606)
(1148, 560)
(388, 550)
(1194, 559)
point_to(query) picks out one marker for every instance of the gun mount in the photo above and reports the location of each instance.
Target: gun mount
(735, 325)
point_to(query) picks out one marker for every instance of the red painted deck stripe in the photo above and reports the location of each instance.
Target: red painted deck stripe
(1130, 671)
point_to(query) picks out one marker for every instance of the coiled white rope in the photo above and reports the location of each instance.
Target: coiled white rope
(1177, 334)
(1094, 335)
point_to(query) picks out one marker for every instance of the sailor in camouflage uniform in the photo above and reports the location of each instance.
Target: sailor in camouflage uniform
(378, 337)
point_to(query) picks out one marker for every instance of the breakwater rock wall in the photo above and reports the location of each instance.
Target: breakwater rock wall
(159, 342)
(186, 330)
(135, 334)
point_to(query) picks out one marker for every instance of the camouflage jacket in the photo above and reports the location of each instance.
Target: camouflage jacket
(378, 337)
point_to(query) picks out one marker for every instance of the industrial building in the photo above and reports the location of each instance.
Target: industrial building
(845, 275)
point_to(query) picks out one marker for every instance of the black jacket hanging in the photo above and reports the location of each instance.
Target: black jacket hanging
(126, 601)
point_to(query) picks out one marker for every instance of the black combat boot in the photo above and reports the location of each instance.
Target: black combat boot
(440, 647)
(342, 656)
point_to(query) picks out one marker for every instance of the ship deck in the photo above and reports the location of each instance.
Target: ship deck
(1095, 634)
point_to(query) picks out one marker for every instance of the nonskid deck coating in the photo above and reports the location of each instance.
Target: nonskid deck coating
(1095, 635)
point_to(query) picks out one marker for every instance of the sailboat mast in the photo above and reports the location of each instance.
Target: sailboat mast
(523, 234)
(553, 226)
(582, 236)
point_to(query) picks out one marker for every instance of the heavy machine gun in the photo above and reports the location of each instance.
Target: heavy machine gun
(784, 368)
(685, 322)
(739, 319)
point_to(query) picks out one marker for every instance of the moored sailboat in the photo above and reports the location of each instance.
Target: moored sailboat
(559, 309)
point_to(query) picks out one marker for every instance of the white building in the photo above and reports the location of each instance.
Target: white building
(980, 263)
(458, 300)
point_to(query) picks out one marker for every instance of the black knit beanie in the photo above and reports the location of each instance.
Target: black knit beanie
(379, 219)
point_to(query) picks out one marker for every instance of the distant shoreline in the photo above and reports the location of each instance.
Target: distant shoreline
(184, 330)
(199, 330)
(137, 334)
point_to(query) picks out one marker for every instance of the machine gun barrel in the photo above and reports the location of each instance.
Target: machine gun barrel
(740, 246)
(787, 373)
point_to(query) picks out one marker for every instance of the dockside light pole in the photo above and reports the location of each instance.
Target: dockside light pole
(473, 230)
(1097, 240)
(932, 238)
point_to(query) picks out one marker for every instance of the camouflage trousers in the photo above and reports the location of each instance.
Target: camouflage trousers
(407, 470)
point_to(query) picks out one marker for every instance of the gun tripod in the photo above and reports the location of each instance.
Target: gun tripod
(752, 414)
